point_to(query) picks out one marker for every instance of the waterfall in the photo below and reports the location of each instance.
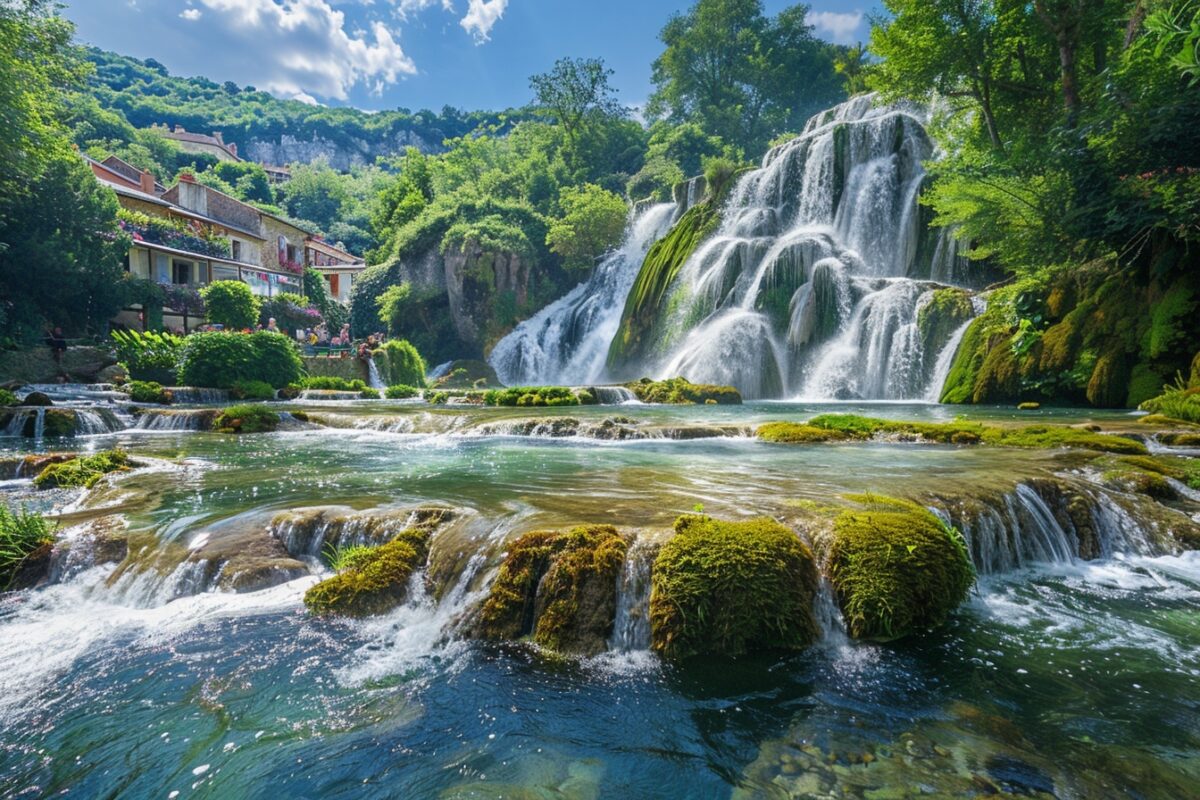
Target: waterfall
(1049, 522)
(39, 425)
(812, 283)
(374, 380)
(567, 341)
(328, 394)
(945, 359)
(631, 625)
(198, 395)
(162, 420)
(90, 421)
(613, 395)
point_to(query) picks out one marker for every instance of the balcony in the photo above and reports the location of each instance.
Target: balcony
(198, 240)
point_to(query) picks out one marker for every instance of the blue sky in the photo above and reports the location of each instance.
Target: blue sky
(384, 54)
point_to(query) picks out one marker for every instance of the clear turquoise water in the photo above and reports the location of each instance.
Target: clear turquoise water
(1081, 678)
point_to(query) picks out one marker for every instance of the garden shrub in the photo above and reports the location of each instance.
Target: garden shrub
(149, 356)
(231, 303)
(220, 359)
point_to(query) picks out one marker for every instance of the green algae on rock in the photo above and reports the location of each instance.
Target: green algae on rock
(681, 391)
(82, 471)
(895, 567)
(376, 581)
(731, 588)
(560, 588)
(247, 418)
(839, 427)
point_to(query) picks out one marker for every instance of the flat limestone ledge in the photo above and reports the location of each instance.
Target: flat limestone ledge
(349, 368)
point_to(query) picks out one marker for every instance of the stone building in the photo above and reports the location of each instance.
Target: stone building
(339, 267)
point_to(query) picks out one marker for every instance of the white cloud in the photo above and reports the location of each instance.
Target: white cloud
(481, 16)
(190, 14)
(409, 7)
(300, 48)
(840, 27)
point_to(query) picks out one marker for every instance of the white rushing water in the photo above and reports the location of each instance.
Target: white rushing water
(567, 341)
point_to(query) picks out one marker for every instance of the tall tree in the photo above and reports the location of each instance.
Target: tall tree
(742, 76)
(60, 255)
(575, 91)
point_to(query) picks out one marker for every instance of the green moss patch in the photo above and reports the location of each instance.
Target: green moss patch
(797, 433)
(248, 418)
(731, 588)
(147, 392)
(681, 391)
(852, 426)
(895, 567)
(558, 587)
(83, 471)
(373, 580)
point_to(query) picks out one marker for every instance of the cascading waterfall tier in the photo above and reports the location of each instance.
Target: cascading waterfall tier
(810, 286)
(567, 341)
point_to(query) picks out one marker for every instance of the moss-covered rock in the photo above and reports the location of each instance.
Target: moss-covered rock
(681, 391)
(895, 567)
(798, 433)
(663, 262)
(82, 471)
(376, 581)
(731, 588)
(843, 427)
(532, 396)
(248, 418)
(938, 319)
(558, 587)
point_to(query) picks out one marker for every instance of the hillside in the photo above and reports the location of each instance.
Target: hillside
(266, 128)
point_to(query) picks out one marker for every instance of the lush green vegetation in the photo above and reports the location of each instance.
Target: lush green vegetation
(60, 248)
(23, 534)
(7, 398)
(83, 471)
(732, 587)
(896, 567)
(147, 356)
(1176, 402)
(401, 392)
(399, 363)
(220, 359)
(251, 390)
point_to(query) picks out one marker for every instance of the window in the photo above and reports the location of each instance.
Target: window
(291, 253)
(182, 272)
(236, 250)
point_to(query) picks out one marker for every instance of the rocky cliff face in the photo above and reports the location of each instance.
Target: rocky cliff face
(288, 149)
(482, 287)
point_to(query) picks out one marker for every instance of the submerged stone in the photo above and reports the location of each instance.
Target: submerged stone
(731, 588)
